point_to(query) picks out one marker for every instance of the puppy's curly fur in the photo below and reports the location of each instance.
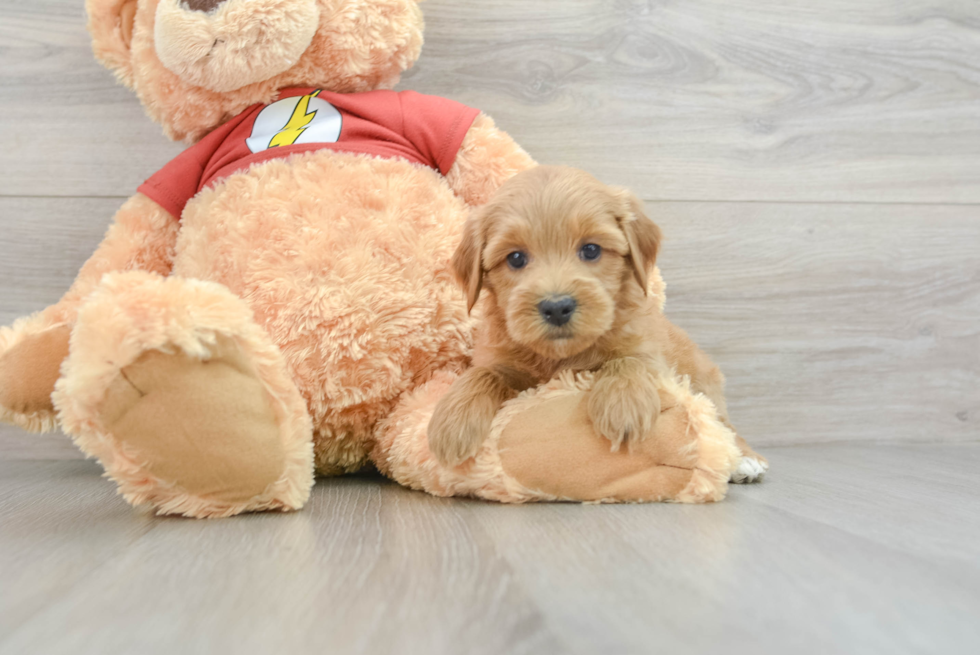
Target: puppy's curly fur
(564, 262)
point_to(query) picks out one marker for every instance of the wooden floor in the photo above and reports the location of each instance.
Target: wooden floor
(846, 549)
(815, 167)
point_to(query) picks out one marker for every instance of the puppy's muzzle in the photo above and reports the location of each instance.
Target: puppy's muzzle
(557, 311)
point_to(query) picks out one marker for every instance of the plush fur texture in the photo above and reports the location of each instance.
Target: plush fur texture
(44, 350)
(142, 237)
(486, 158)
(27, 404)
(134, 313)
(302, 314)
(552, 219)
(352, 282)
(235, 43)
(358, 45)
(689, 460)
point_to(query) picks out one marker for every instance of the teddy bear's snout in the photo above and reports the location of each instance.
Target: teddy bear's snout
(223, 45)
(202, 5)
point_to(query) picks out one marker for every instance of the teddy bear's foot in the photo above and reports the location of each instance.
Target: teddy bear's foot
(30, 362)
(205, 426)
(542, 447)
(184, 400)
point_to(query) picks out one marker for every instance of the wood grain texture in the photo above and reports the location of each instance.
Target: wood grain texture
(829, 554)
(913, 498)
(832, 322)
(706, 100)
(856, 318)
(43, 244)
(68, 128)
(740, 576)
(15, 444)
(728, 100)
(60, 523)
(364, 568)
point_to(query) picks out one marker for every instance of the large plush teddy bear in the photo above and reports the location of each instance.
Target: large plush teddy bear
(277, 301)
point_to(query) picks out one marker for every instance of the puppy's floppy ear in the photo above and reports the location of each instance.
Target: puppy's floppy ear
(642, 234)
(468, 259)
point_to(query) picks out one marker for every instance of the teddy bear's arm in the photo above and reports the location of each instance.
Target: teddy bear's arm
(486, 159)
(142, 237)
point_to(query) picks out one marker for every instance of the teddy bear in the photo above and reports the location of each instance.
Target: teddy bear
(277, 301)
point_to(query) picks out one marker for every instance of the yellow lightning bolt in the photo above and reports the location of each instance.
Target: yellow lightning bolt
(297, 122)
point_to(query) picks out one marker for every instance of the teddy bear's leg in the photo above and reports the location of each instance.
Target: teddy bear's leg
(32, 349)
(184, 399)
(542, 447)
(708, 380)
(751, 465)
(30, 363)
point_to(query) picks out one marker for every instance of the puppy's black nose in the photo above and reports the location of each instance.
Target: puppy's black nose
(557, 311)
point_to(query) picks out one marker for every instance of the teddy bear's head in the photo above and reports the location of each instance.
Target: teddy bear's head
(196, 63)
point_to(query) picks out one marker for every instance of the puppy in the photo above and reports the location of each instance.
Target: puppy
(564, 263)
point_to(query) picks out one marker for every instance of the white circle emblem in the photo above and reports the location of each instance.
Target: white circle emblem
(300, 119)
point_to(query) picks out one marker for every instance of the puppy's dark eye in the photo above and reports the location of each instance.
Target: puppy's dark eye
(590, 252)
(517, 260)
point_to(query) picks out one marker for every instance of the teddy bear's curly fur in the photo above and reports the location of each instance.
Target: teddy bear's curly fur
(301, 315)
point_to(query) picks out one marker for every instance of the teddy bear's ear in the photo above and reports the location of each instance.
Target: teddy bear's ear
(110, 22)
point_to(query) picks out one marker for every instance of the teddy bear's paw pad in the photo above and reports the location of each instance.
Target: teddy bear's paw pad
(750, 469)
(205, 426)
(29, 370)
(551, 447)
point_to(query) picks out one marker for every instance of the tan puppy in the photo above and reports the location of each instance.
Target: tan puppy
(564, 261)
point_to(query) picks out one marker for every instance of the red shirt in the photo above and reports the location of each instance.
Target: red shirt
(423, 129)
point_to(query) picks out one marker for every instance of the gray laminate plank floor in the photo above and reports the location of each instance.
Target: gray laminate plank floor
(845, 548)
(720, 100)
(825, 319)
(825, 159)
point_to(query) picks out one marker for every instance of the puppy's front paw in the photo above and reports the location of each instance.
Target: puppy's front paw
(750, 469)
(457, 429)
(623, 409)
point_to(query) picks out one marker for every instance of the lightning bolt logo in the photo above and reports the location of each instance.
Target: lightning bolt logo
(297, 123)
